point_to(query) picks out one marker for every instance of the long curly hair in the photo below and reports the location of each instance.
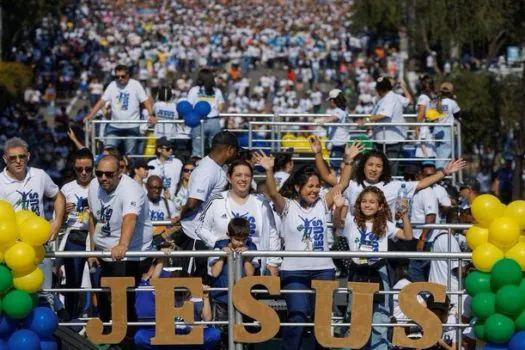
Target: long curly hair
(298, 178)
(381, 217)
(386, 173)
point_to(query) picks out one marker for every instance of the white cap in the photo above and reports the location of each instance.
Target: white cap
(333, 94)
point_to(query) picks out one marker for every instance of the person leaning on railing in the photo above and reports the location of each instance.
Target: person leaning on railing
(304, 227)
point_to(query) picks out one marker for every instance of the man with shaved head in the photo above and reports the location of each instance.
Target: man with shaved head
(160, 209)
(119, 223)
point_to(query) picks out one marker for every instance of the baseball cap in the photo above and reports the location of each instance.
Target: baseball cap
(227, 138)
(470, 183)
(141, 163)
(428, 162)
(163, 141)
(333, 94)
(446, 87)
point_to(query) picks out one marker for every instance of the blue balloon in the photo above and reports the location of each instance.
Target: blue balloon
(48, 344)
(7, 326)
(202, 108)
(517, 342)
(192, 119)
(494, 346)
(3, 344)
(184, 107)
(43, 321)
(243, 139)
(24, 339)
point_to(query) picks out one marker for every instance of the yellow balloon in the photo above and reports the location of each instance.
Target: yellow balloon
(7, 213)
(522, 238)
(477, 236)
(20, 257)
(29, 282)
(35, 231)
(23, 215)
(485, 256)
(517, 253)
(516, 210)
(486, 208)
(504, 232)
(40, 253)
(8, 232)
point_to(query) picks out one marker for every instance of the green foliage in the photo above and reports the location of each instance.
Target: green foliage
(14, 79)
(477, 96)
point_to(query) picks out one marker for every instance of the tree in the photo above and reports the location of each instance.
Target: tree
(14, 79)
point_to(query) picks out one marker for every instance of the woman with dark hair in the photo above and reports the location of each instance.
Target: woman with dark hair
(238, 201)
(206, 90)
(181, 191)
(374, 169)
(338, 135)
(304, 212)
(283, 168)
(425, 149)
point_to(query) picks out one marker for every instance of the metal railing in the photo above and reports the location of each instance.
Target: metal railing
(235, 269)
(276, 124)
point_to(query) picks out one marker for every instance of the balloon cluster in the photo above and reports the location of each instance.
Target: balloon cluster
(22, 323)
(192, 115)
(497, 286)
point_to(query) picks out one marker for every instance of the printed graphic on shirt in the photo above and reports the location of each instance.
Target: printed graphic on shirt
(28, 200)
(313, 234)
(166, 182)
(249, 218)
(165, 114)
(81, 208)
(123, 100)
(104, 214)
(367, 242)
(156, 215)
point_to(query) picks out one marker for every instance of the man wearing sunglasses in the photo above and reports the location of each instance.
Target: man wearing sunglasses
(125, 96)
(77, 225)
(25, 187)
(167, 167)
(118, 223)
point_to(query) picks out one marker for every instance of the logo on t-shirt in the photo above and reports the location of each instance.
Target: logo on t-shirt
(105, 213)
(156, 215)
(249, 218)
(166, 182)
(29, 200)
(367, 242)
(123, 100)
(313, 234)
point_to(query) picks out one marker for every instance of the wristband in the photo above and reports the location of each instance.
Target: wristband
(444, 172)
(349, 162)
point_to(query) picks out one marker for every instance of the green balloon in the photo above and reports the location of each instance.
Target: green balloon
(17, 304)
(477, 282)
(483, 305)
(510, 301)
(519, 322)
(522, 285)
(479, 330)
(34, 299)
(505, 272)
(6, 279)
(499, 328)
(1, 306)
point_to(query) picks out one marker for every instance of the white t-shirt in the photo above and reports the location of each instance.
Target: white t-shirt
(198, 93)
(78, 218)
(305, 230)
(423, 100)
(28, 193)
(125, 102)
(206, 180)
(165, 111)
(338, 135)
(109, 209)
(390, 190)
(169, 172)
(159, 212)
(442, 197)
(449, 107)
(391, 107)
(425, 137)
(366, 240)
(439, 268)
(280, 178)
(423, 203)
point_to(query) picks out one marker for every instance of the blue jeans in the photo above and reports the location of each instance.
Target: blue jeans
(125, 146)
(418, 270)
(143, 339)
(443, 148)
(300, 305)
(74, 268)
(211, 128)
(48, 298)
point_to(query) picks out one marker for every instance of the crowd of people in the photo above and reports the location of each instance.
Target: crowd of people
(214, 203)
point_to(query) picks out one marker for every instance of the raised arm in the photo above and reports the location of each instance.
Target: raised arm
(406, 232)
(324, 172)
(351, 152)
(267, 162)
(452, 167)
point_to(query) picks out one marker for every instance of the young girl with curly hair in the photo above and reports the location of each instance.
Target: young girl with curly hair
(369, 231)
